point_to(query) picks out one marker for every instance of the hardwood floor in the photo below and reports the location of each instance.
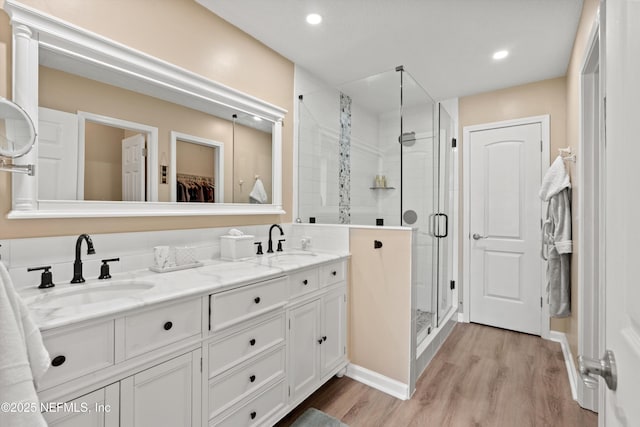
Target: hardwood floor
(482, 376)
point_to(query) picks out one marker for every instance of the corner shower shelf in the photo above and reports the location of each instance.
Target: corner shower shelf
(382, 188)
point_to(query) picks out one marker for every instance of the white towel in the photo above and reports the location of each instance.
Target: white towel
(23, 357)
(555, 180)
(258, 195)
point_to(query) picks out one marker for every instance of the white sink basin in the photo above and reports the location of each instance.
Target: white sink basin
(89, 294)
(282, 259)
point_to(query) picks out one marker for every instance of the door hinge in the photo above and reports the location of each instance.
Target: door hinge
(144, 152)
(540, 302)
(541, 146)
(201, 364)
(289, 390)
(452, 284)
(289, 323)
(454, 142)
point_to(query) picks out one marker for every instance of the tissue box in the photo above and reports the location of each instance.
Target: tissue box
(235, 248)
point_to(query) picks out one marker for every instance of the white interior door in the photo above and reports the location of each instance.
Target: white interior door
(57, 155)
(504, 226)
(622, 204)
(133, 168)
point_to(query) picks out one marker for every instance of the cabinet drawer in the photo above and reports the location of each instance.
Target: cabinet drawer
(161, 326)
(78, 351)
(333, 273)
(302, 282)
(236, 305)
(245, 344)
(228, 389)
(257, 411)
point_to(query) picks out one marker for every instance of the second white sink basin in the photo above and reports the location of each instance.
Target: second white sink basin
(89, 294)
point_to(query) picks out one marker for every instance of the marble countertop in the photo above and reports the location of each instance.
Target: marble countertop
(149, 288)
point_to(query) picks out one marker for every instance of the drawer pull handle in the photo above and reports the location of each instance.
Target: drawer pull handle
(305, 282)
(320, 341)
(168, 326)
(256, 300)
(252, 378)
(253, 415)
(324, 338)
(252, 341)
(335, 273)
(58, 360)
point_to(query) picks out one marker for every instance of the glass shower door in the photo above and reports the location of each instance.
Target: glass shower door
(444, 217)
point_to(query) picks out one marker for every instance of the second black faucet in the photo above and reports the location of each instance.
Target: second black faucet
(270, 248)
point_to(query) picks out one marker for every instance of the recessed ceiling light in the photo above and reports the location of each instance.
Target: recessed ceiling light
(501, 54)
(314, 18)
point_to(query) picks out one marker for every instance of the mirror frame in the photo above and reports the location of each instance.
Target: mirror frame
(41, 39)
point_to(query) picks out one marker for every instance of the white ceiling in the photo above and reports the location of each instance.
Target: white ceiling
(446, 45)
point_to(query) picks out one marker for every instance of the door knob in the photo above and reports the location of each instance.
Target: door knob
(605, 367)
(476, 236)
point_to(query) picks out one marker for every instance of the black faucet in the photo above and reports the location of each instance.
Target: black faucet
(77, 265)
(270, 249)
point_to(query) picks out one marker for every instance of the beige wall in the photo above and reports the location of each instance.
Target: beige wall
(195, 159)
(589, 11)
(201, 42)
(380, 302)
(103, 162)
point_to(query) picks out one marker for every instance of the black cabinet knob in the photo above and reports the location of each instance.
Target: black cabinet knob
(252, 341)
(58, 360)
(320, 341)
(324, 338)
(253, 415)
(168, 326)
(334, 273)
(305, 282)
(252, 378)
(256, 300)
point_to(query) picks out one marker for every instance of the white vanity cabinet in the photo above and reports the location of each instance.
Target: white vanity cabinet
(247, 354)
(317, 341)
(150, 359)
(167, 394)
(242, 356)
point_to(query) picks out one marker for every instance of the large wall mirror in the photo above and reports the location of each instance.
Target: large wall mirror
(121, 133)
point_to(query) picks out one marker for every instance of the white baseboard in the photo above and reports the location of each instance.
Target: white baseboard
(378, 381)
(461, 317)
(561, 338)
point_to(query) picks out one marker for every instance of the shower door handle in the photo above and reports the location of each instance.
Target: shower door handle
(446, 225)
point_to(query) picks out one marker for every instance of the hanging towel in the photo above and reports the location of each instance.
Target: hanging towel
(258, 195)
(556, 238)
(23, 357)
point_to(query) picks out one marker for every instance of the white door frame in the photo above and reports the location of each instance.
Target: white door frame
(151, 134)
(588, 297)
(218, 162)
(466, 211)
